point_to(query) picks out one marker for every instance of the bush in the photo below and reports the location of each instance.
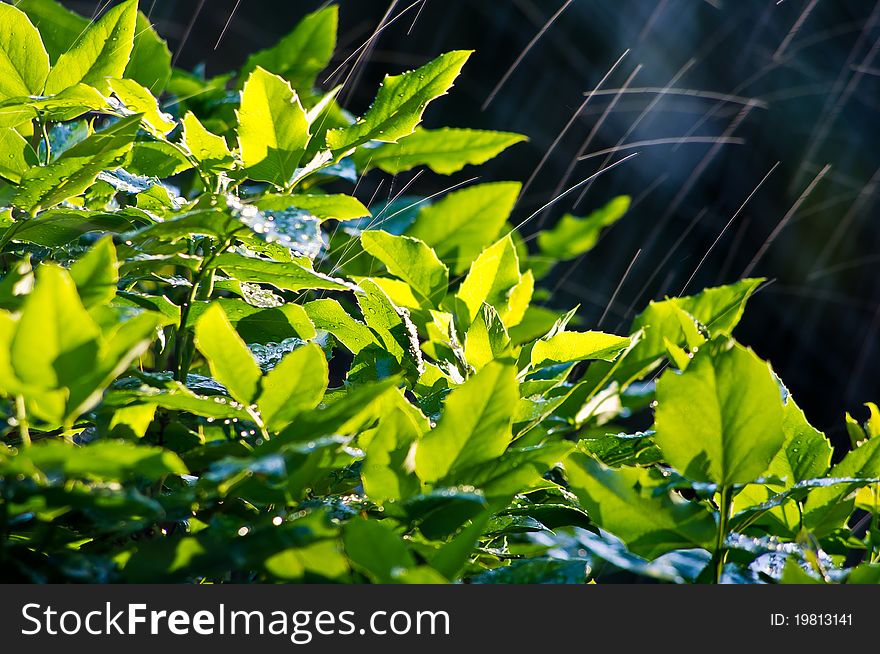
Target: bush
(215, 366)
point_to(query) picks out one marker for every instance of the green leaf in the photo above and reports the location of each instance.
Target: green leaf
(16, 155)
(445, 151)
(296, 384)
(96, 274)
(140, 100)
(71, 103)
(272, 128)
(806, 453)
(325, 207)
(286, 276)
(491, 279)
(100, 52)
(303, 53)
(649, 524)
(441, 512)
(577, 346)
(475, 426)
(720, 309)
(150, 61)
(826, 509)
(460, 225)
(328, 315)
(453, 556)
(400, 103)
(107, 460)
(345, 415)
(685, 322)
(263, 325)
(376, 550)
(230, 360)
(24, 63)
(59, 27)
(385, 472)
(77, 168)
(178, 398)
(208, 149)
(395, 331)
(516, 471)
(410, 260)
(720, 420)
(486, 339)
(157, 159)
(60, 353)
(572, 236)
(56, 339)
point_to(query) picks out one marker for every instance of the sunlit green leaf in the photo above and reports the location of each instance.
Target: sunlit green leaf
(302, 54)
(576, 346)
(445, 151)
(650, 525)
(75, 170)
(410, 260)
(150, 61)
(400, 102)
(491, 279)
(721, 420)
(209, 149)
(272, 128)
(231, 362)
(96, 274)
(101, 51)
(24, 63)
(475, 426)
(296, 384)
(464, 222)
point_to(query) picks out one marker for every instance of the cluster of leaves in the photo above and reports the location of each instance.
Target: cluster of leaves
(216, 366)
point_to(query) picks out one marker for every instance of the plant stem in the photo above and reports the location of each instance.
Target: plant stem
(724, 510)
(875, 523)
(44, 129)
(21, 417)
(182, 354)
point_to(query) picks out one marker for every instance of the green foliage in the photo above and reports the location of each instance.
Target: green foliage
(400, 102)
(445, 151)
(100, 52)
(721, 422)
(273, 131)
(303, 53)
(246, 376)
(24, 62)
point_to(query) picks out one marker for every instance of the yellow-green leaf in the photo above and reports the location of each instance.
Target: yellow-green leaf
(412, 261)
(272, 128)
(721, 420)
(100, 52)
(475, 426)
(230, 360)
(400, 103)
(445, 151)
(24, 62)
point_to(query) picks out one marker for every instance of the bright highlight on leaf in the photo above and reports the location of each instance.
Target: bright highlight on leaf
(273, 131)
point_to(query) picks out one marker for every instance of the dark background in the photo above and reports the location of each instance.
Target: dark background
(809, 76)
